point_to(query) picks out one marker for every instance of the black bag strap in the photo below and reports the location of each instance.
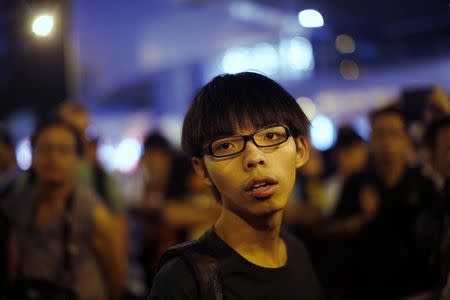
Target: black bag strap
(38, 289)
(35, 288)
(67, 239)
(202, 264)
(67, 267)
(100, 183)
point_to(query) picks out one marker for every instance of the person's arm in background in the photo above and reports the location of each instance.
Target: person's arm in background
(114, 196)
(185, 214)
(356, 208)
(303, 214)
(174, 281)
(118, 209)
(108, 243)
(11, 251)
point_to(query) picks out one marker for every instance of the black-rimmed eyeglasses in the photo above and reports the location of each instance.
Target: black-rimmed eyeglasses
(231, 145)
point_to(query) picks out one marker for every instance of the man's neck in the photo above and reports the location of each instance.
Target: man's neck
(257, 239)
(52, 194)
(342, 173)
(391, 171)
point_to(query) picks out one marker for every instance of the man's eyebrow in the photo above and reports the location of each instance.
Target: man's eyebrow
(218, 135)
(222, 134)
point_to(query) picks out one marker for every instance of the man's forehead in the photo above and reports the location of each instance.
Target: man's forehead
(56, 133)
(388, 119)
(245, 128)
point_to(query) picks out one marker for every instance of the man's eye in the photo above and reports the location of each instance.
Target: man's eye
(224, 146)
(272, 136)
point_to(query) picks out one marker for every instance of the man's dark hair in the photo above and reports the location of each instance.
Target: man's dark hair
(156, 140)
(6, 138)
(433, 130)
(389, 109)
(237, 100)
(57, 122)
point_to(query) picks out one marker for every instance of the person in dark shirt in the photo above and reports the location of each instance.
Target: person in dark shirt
(434, 223)
(243, 279)
(9, 171)
(246, 136)
(377, 215)
(437, 139)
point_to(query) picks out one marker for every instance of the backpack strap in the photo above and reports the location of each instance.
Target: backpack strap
(202, 264)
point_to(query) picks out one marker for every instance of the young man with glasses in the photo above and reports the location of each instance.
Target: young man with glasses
(246, 136)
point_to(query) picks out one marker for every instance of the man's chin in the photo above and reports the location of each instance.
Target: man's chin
(53, 182)
(267, 219)
(268, 210)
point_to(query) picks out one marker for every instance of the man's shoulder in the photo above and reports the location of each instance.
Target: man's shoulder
(174, 280)
(174, 269)
(17, 207)
(87, 197)
(422, 189)
(188, 264)
(300, 263)
(297, 251)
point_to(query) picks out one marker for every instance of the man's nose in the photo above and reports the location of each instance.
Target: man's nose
(253, 156)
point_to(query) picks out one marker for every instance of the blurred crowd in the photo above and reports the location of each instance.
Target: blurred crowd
(373, 213)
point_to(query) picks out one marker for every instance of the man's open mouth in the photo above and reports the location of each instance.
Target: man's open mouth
(259, 183)
(261, 187)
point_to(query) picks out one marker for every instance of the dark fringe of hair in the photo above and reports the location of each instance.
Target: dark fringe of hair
(243, 100)
(57, 122)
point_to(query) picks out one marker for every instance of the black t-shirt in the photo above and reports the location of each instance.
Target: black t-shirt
(384, 255)
(242, 279)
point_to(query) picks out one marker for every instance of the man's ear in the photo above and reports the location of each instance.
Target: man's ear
(302, 151)
(200, 170)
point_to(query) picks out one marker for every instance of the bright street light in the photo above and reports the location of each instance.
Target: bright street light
(310, 18)
(43, 25)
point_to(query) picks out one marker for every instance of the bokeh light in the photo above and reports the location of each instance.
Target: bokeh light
(171, 126)
(299, 53)
(349, 69)
(265, 58)
(23, 154)
(105, 154)
(310, 18)
(345, 44)
(308, 107)
(43, 25)
(127, 155)
(323, 132)
(236, 59)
